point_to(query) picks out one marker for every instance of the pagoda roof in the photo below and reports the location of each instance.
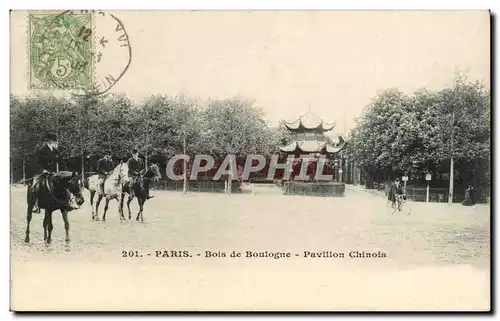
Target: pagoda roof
(309, 122)
(313, 146)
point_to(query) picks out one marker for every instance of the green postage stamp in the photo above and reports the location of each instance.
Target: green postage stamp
(60, 50)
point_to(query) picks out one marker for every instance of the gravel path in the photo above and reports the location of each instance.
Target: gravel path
(440, 243)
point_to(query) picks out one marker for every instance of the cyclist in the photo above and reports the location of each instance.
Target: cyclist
(395, 191)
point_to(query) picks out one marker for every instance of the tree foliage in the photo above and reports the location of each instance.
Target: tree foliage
(397, 134)
(158, 127)
(411, 135)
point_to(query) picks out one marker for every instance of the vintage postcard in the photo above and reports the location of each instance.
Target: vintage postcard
(250, 160)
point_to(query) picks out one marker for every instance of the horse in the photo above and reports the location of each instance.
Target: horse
(138, 189)
(49, 193)
(112, 189)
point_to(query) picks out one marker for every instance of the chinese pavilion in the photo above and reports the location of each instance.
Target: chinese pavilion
(308, 137)
(308, 134)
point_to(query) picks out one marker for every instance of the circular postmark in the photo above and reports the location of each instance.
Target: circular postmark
(80, 51)
(112, 53)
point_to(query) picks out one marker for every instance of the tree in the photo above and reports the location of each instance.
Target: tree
(237, 127)
(31, 118)
(377, 143)
(84, 125)
(115, 130)
(467, 112)
(411, 135)
(278, 136)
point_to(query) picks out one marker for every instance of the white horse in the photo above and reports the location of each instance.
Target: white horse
(111, 189)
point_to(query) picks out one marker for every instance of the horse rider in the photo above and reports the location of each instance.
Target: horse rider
(47, 157)
(395, 190)
(104, 169)
(135, 169)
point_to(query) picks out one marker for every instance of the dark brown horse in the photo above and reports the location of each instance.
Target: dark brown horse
(138, 188)
(62, 191)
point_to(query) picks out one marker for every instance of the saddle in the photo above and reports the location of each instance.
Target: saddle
(41, 178)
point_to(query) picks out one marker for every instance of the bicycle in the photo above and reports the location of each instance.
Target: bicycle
(399, 204)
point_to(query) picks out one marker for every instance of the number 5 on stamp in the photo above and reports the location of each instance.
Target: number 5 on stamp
(60, 50)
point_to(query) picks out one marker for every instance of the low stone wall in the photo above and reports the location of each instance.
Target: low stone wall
(313, 188)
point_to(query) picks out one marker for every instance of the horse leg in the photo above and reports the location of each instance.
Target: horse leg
(118, 200)
(122, 217)
(105, 209)
(98, 202)
(45, 225)
(28, 218)
(50, 227)
(140, 200)
(92, 194)
(130, 198)
(66, 224)
(142, 209)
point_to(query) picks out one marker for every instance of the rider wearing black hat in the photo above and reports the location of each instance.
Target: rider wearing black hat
(47, 159)
(135, 167)
(48, 154)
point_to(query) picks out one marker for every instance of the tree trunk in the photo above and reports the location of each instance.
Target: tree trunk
(352, 173)
(450, 196)
(452, 170)
(184, 187)
(11, 171)
(83, 166)
(24, 170)
(341, 166)
(147, 144)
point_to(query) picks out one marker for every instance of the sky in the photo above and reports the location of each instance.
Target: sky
(289, 62)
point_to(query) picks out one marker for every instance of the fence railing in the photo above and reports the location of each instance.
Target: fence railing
(437, 195)
(197, 186)
(313, 189)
